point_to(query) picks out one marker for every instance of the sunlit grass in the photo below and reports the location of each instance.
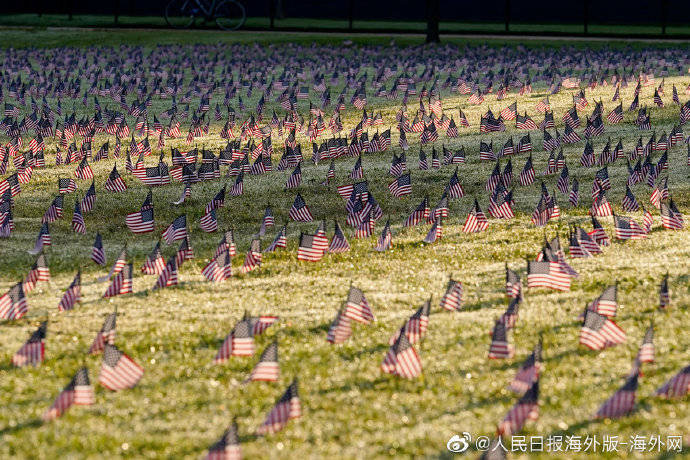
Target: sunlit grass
(351, 410)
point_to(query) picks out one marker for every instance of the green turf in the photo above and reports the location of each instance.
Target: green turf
(351, 410)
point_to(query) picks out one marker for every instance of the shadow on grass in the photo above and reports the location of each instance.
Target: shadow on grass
(33, 423)
(320, 329)
(361, 385)
(352, 355)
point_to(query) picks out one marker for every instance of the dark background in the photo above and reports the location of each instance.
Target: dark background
(630, 12)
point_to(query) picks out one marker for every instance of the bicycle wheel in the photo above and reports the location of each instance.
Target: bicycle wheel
(180, 13)
(230, 15)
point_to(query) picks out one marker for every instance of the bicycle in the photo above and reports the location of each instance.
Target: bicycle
(228, 14)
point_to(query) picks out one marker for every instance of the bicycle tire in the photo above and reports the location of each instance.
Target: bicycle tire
(230, 15)
(177, 16)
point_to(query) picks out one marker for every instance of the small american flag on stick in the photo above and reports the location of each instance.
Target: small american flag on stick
(118, 371)
(288, 407)
(78, 392)
(33, 351)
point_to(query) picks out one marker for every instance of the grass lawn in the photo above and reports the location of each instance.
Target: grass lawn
(350, 409)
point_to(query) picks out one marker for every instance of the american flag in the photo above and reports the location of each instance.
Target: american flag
(494, 178)
(510, 112)
(72, 295)
(208, 222)
(66, 186)
(525, 122)
(547, 274)
(54, 211)
(267, 369)
(660, 193)
(647, 220)
(117, 266)
(527, 174)
(168, 276)
(386, 238)
(420, 214)
(39, 272)
(121, 284)
(528, 372)
(288, 407)
(299, 211)
(616, 115)
(500, 203)
(629, 202)
(320, 238)
(89, 199)
(154, 263)
(228, 447)
(664, 296)
(177, 230)
(280, 241)
(219, 268)
(646, 352)
(510, 316)
(598, 233)
(338, 243)
(217, 202)
(33, 351)
(106, 335)
(476, 220)
(599, 332)
(78, 225)
(340, 329)
(115, 183)
(240, 342)
(671, 218)
(542, 213)
(401, 186)
(500, 348)
(513, 283)
(84, 171)
(622, 402)
(184, 252)
(607, 303)
(402, 359)
(156, 175)
(259, 324)
(452, 299)
(353, 192)
(416, 326)
(677, 386)
(13, 303)
(601, 206)
(186, 193)
(454, 187)
(227, 242)
(78, 392)
(309, 249)
(295, 178)
(118, 371)
(252, 260)
(423, 164)
(357, 307)
(527, 408)
(42, 240)
(563, 184)
(11, 183)
(357, 171)
(627, 229)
